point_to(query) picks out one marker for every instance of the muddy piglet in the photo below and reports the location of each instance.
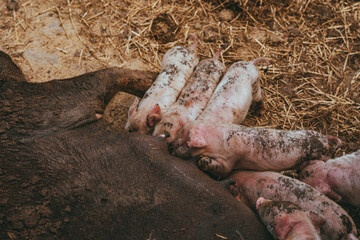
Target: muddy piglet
(177, 65)
(288, 221)
(220, 148)
(193, 98)
(232, 98)
(251, 185)
(338, 178)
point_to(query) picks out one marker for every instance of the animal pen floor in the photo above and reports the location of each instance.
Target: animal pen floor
(313, 46)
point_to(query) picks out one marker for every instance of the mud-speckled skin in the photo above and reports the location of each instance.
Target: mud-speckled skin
(221, 148)
(274, 186)
(288, 221)
(338, 178)
(233, 96)
(193, 98)
(177, 65)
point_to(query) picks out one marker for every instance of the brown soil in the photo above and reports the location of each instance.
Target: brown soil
(314, 48)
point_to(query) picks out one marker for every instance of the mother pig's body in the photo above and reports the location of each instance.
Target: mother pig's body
(73, 176)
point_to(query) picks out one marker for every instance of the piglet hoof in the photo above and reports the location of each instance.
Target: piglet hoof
(208, 164)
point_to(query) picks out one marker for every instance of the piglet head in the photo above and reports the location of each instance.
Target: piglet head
(140, 121)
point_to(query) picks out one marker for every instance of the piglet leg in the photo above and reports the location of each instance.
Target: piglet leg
(214, 166)
(208, 164)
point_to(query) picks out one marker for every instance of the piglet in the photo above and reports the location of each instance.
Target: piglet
(338, 178)
(232, 98)
(177, 65)
(220, 148)
(193, 98)
(230, 102)
(288, 221)
(274, 186)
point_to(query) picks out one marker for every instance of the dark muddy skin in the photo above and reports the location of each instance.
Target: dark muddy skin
(65, 173)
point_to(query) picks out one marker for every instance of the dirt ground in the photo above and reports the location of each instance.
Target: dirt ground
(314, 48)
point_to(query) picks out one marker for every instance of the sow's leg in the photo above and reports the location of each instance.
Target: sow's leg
(36, 109)
(94, 183)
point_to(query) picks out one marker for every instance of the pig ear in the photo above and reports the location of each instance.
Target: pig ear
(133, 107)
(317, 220)
(154, 116)
(196, 138)
(283, 226)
